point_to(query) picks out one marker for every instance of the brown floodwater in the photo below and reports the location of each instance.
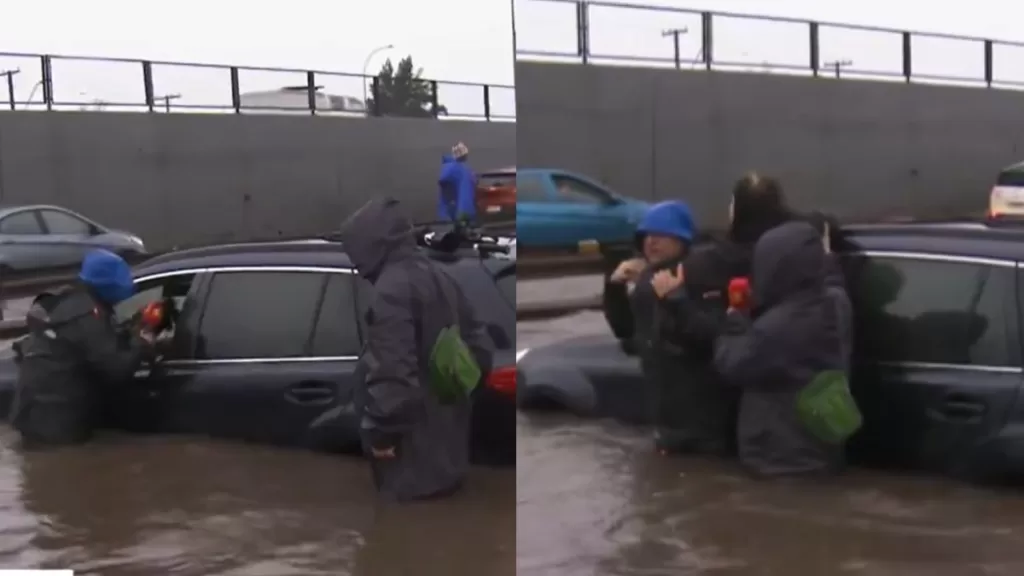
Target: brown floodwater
(594, 500)
(126, 506)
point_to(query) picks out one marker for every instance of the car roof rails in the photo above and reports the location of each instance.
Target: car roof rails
(451, 237)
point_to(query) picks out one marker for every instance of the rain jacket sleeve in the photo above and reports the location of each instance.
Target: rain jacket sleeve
(392, 383)
(110, 357)
(746, 352)
(692, 324)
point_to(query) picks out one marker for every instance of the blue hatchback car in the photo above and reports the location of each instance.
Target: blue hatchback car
(558, 211)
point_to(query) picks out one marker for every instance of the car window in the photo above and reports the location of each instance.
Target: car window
(21, 223)
(1011, 178)
(61, 223)
(337, 328)
(174, 287)
(259, 315)
(932, 311)
(489, 303)
(531, 188)
(578, 192)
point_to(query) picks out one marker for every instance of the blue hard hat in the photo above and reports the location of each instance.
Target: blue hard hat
(669, 218)
(108, 275)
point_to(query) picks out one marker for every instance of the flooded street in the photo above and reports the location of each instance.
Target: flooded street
(593, 499)
(127, 506)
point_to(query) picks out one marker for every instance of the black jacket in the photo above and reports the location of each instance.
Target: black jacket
(696, 412)
(408, 311)
(793, 336)
(73, 355)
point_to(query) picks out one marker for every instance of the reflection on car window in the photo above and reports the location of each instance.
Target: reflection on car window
(22, 223)
(337, 331)
(578, 192)
(173, 287)
(259, 315)
(530, 188)
(933, 311)
(61, 223)
(488, 301)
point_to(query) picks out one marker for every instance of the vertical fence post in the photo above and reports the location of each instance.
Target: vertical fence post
(147, 83)
(10, 96)
(676, 52)
(815, 49)
(375, 92)
(707, 42)
(907, 57)
(47, 79)
(583, 30)
(311, 91)
(487, 102)
(989, 57)
(434, 108)
(236, 94)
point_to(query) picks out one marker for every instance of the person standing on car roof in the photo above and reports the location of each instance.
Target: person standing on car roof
(772, 354)
(417, 441)
(74, 353)
(457, 198)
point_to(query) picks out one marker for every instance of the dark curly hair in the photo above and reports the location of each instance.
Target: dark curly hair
(759, 204)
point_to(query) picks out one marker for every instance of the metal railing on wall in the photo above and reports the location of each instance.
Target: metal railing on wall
(707, 58)
(48, 82)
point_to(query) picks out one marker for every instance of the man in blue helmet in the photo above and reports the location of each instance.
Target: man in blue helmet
(73, 353)
(685, 415)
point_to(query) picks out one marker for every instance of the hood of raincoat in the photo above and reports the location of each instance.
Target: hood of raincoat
(376, 233)
(788, 260)
(108, 276)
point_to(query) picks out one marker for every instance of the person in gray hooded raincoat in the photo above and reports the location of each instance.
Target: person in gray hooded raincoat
(793, 334)
(419, 447)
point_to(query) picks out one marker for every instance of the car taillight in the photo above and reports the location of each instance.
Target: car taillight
(502, 380)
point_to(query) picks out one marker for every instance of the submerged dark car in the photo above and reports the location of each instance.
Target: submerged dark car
(267, 339)
(937, 358)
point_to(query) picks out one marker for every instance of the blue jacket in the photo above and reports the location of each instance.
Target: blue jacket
(457, 197)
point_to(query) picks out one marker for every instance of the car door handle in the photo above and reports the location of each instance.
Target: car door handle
(961, 409)
(310, 393)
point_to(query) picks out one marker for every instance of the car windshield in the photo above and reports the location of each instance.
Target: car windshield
(499, 180)
(1011, 178)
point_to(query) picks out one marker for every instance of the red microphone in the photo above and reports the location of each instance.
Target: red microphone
(739, 293)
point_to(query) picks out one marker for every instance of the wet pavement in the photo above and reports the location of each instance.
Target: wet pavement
(593, 500)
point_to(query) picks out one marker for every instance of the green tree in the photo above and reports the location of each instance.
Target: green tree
(404, 92)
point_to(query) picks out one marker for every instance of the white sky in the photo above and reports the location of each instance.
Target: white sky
(461, 40)
(615, 31)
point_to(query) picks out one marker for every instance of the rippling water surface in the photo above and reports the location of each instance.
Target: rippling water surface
(593, 500)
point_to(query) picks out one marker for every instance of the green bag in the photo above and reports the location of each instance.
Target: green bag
(827, 408)
(454, 372)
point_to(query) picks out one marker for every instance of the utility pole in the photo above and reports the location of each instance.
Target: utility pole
(838, 65)
(675, 33)
(10, 74)
(167, 100)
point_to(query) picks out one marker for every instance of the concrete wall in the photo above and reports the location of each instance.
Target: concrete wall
(185, 179)
(861, 149)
